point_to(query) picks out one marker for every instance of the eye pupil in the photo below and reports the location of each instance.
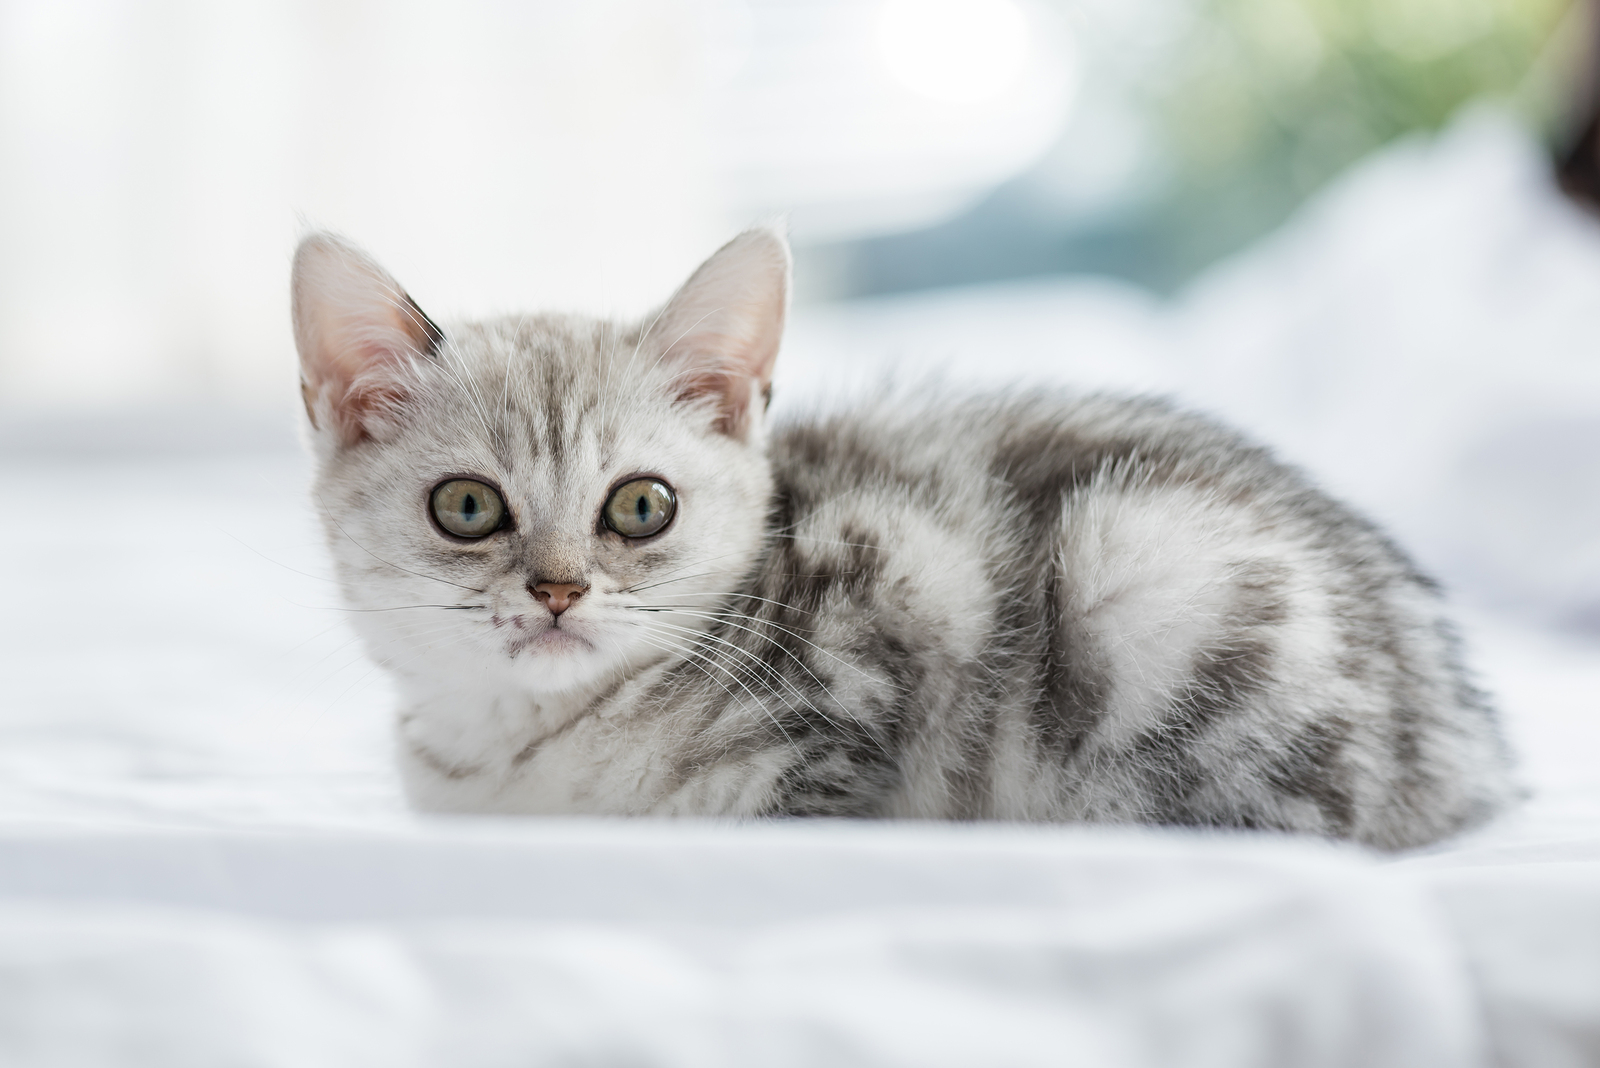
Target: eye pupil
(642, 506)
(469, 506)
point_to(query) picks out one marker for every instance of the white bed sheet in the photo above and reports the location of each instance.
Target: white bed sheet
(204, 858)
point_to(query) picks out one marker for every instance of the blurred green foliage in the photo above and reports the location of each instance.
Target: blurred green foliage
(1267, 99)
(1251, 106)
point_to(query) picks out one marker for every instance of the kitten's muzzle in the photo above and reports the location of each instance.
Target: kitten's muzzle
(557, 596)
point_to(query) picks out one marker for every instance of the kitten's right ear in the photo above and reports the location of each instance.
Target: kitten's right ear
(358, 334)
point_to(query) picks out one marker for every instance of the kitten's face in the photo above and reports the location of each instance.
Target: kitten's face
(544, 501)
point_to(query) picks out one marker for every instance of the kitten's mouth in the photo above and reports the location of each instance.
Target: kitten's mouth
(552, 638)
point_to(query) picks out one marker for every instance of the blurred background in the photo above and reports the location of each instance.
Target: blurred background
(159, 158)
(1332, 222)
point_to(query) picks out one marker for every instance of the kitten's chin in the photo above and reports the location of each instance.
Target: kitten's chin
(557, 659)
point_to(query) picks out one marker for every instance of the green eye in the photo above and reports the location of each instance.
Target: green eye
(640, 508)
(468, 509)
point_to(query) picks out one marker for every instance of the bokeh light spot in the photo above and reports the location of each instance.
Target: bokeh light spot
(959, 51)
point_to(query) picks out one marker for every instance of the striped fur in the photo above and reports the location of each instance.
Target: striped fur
(1020, 606)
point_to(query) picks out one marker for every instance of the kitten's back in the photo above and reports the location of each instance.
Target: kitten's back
(1106, 609)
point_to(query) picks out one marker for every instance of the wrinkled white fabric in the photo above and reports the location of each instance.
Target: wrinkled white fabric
(578, 942)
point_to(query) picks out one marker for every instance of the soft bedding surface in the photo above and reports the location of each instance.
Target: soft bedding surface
(204, 858)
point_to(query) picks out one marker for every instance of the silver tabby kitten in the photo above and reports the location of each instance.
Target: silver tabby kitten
(604, 584)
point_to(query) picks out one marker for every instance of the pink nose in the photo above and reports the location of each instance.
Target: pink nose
(557, 596)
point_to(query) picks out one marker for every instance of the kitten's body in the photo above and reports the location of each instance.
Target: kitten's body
(1028, 606)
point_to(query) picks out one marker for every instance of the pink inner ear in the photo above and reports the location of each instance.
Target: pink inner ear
(361, 369)
(378, 389)
(358, 333)
(723, 328)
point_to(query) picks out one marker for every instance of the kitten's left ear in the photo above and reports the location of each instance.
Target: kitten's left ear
(719, 334)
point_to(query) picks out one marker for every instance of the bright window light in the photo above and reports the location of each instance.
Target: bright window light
(960, 51)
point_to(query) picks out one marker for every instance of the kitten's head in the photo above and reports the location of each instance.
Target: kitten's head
(545, 500)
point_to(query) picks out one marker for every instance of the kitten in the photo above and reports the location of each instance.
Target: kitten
(604, 584)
